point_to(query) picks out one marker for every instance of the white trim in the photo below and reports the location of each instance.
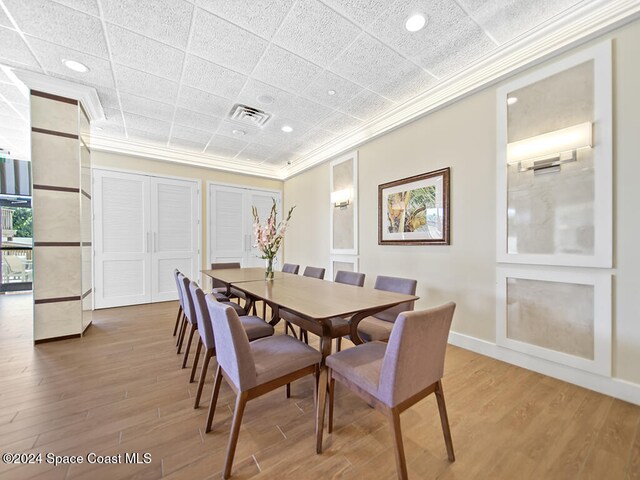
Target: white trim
(601, 282)
(353, 157)
(148, 174)
(87, 96)
(615, 387)
(602, 155)
(353, 259)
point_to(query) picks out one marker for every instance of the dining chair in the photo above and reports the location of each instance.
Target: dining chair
(338, 326)
(252, 369)
(290, 268)
(392, 377)
(312, 272)
(254, 327)
(219, 289)
(180, 314)
(190, 317)
(379, 326)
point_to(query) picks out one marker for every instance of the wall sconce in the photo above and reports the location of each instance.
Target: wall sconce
(545, 152)
(341, 198)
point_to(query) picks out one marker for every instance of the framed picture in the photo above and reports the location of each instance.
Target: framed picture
(415, 210)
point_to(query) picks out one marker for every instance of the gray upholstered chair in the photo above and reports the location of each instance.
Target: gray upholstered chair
(219, 289)
(190, 317)
(312, 272)
(379, 326)
(392, 377)
(255, 328)
(340, 327)
(252, 369)
(176, 272)
(290, 268)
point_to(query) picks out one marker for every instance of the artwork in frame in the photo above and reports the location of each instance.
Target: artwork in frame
(415, 210)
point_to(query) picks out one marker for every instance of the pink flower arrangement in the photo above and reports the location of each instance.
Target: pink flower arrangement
(269, 235)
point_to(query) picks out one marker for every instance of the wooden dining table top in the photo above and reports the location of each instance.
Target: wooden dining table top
(320, 299)
(238, 275)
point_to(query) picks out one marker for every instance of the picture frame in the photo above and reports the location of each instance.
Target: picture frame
(425, 221)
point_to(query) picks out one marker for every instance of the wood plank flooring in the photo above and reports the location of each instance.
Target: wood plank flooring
(121, 389)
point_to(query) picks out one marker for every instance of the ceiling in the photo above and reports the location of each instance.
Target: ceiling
(168, 72)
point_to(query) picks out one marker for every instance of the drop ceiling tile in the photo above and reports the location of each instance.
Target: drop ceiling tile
(52, 55)
(366, 105)
(108, 130)
(58, 24)
(227, 141)
(255, 152)
(147, 137)
(366, 61)
(4, 20)
(406, 81)
(362, 12)
(86, 6)
(148, 55)
(225, 146)
(167, 21)
(307, 111)
(146, 124)
(315, 32)
(14, 51)
(235, 48)
(226, 129)
(343, 88)
(285, 70)
(253, 92)
(212, 78)
(508, 19)
(108, 97)
(188, 145)
(13, 94)
(4, 79)
(191, 134)
(113, 116)
(203, 102)
(339, 123)
(196, 120)
(262, 17)
(146, 108)
(145, 85)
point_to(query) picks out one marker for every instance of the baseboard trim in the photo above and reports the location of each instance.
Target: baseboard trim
(614, 387)
(56, 339)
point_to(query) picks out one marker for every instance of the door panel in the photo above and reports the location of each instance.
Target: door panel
(263, 201)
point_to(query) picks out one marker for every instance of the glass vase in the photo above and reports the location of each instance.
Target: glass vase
(268, 274)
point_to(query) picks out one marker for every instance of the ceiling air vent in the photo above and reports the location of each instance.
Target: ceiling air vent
(248, 115)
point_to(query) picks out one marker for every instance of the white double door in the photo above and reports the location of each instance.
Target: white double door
(144, 228)
(230, 222)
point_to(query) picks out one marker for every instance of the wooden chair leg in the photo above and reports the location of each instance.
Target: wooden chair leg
(214, 398)
(264, 310)
(444, 419)
(332, 387)
(175, 328)
(394, 422)
(288, 390)
(192, 330)
(203, 375)
(195, 361)
(241, 401)
(338, 344)
(183, 330)
(322, 399)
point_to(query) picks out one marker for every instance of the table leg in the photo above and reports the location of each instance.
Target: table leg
(325, 349)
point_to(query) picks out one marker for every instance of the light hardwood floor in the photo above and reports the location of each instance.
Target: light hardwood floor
(121, 389)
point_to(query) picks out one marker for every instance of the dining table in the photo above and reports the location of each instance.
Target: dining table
(313, 301)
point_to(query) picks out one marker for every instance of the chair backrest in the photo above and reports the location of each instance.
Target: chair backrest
(187, 301)
(398, 285)
(314, 272)
(221, 266)
(350, 278)
(205, 329)
(290, 268)
(415, 354)
(176, 274)
(232, 345)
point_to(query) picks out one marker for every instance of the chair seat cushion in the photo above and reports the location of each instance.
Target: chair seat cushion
(278, 356)
(221, 297)
(239, 310)
(255, 327)
(237, 293)
(373, 329)
(360, 365)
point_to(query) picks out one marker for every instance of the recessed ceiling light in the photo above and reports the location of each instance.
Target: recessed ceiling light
(238, 133)
(75, 66)
(415, 22)
(331, 92)
(265, 99)
(511, 100)
(287, 129)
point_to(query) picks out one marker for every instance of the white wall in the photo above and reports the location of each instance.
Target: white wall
(463, 137)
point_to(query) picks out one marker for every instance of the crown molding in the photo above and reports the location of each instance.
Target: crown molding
(157, 152)
(574, 27)
(87, 96)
